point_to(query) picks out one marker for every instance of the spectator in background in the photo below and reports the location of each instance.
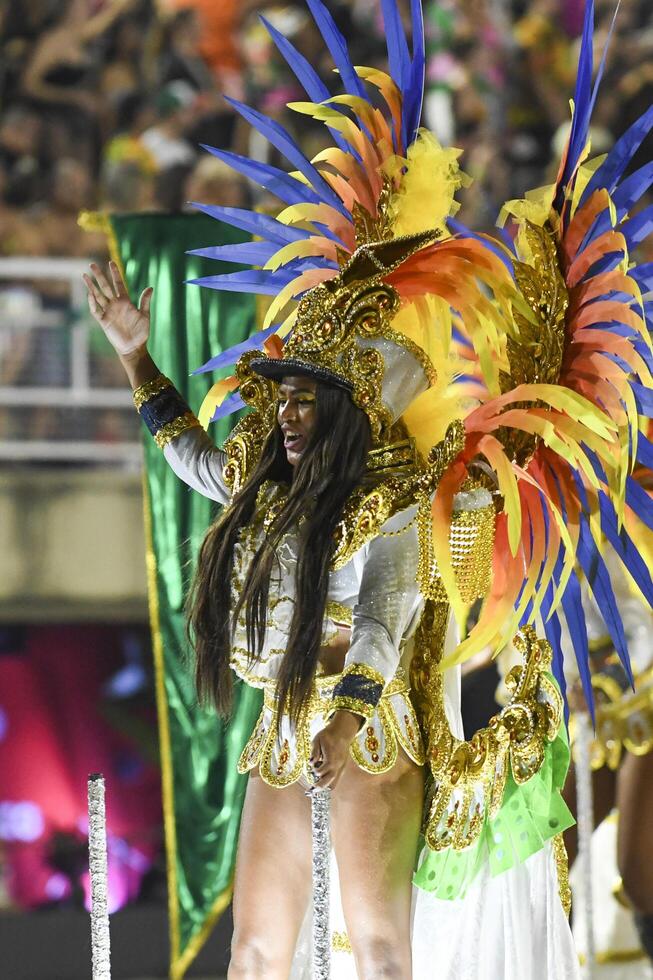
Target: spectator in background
(131, 87)
(128, 167)
(180, 56)
(128, 64)
(21, 154)
(72, 190)
(61, 69)
(212, 182)
(218, 28)
(127, 184)
(166, 139)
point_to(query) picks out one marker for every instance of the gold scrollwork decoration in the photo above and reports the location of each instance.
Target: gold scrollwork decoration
(470, 776)
(536, 349)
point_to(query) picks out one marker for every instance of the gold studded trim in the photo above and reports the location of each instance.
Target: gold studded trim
(624, 720)
(366, 512)
(392, 725)
(243, 447)
(562, 869)
(339, 613)
(393, 455)
(340, 943)
(357, 706)
(173, 429)
(151, 388)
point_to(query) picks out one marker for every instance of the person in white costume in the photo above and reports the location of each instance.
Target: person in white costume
(435, 418)
(373, 608)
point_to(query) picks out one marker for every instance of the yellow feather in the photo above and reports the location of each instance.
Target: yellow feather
(429, 178)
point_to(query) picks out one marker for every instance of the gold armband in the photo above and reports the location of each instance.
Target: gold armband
(163, 410)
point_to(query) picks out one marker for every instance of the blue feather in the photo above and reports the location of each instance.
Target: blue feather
(307, 77)
(601, 224)
(263, 281)
(644, 451)
(644, 352)
(637, 229)
(610, 171)
(232, 354)
(625, 548)
(277, 181)
(628, 193)
(507, 240)
(572, 606)
(595, 461)
(643, 276)
(396, 43)
(598, 580)
(644, 399)
(257, 224)
(582, 104)
(247, 281)
(553, 633)
(639, 502)
(232, 403)
(248, 253)
(414, 94)
(398, 57)
(279, 137)
(301, 68)
(606, 263)
(337, 46)
(601, 68)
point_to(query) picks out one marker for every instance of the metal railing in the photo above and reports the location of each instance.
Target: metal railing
(62, 395)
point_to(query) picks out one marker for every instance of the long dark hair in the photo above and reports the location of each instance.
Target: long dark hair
(330, 467)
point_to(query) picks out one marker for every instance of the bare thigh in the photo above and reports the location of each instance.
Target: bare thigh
(634, 837)
(375, 827)
(273, 880)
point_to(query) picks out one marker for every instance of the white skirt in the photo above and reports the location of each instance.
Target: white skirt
(511, 927)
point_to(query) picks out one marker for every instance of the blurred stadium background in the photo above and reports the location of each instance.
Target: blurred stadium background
(103, 105)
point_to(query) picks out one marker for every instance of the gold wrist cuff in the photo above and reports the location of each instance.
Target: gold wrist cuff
(151, 388)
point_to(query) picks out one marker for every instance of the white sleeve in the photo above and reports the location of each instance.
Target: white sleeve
(185, 444)
(387, 601)
(198, 462)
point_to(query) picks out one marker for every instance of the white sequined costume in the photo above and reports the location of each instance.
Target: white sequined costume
(511, 926)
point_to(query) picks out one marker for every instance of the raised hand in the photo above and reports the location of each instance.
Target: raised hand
(126, 326)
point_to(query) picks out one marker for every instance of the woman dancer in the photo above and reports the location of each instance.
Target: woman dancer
(315, 456)
(435, 418)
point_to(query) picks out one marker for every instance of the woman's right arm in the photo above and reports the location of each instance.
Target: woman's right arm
(174, 427)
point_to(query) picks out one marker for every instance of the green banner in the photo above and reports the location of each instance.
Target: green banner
(202, 792)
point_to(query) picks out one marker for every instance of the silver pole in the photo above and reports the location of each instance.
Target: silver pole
(585, 815)
(320, 812)
(97, 860)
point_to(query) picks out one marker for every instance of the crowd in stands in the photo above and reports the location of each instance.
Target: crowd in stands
(104, 103)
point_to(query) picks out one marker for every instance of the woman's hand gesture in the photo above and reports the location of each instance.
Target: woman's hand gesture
(126, 326)
(330, 748)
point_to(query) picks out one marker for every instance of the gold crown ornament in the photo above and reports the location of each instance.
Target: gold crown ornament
(343, 335)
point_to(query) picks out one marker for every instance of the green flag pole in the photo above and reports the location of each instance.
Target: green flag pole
(202, 791)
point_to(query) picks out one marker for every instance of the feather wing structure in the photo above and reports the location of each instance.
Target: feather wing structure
(569, 422)
(539, 338)
(383, 178)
